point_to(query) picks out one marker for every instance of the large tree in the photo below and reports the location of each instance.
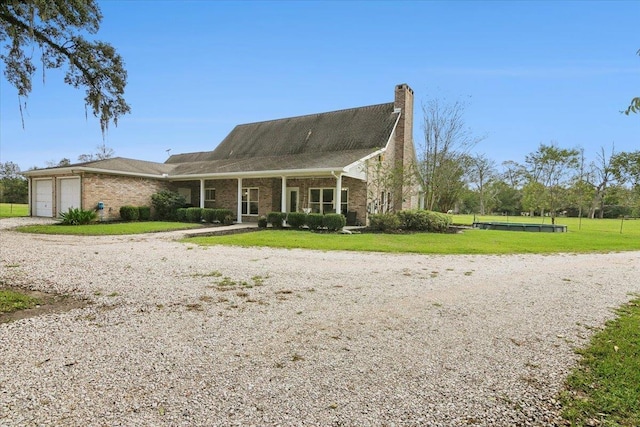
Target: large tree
(443, 154)
(626, 166)
(481, 171)
(551, 168)
(601, 177)
(581, 192)
(627, 170)
(505, 198)
(57, 31)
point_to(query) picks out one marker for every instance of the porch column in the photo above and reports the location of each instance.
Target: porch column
(283, 191)
(202, 193)
(338, 198)
(239, 213)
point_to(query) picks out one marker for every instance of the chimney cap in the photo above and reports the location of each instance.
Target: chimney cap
(404, 86)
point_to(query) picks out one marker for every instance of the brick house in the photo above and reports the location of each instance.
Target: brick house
(327, 162)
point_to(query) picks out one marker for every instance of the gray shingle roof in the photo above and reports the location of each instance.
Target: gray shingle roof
(115, 164)
(331, 160)
(325, 140)
(123, 164)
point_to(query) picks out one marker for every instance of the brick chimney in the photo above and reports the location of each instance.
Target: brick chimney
(404, 151)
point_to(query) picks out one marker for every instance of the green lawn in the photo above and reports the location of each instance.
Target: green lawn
(109, 228)
(592, 236)
(604, 389)
(8, 210)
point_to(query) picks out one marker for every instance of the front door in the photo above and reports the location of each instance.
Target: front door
(292, 199)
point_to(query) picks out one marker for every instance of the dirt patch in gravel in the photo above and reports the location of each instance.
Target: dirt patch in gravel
(49, 303)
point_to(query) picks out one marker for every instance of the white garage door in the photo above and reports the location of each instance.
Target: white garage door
(43, 197)
(69, 194)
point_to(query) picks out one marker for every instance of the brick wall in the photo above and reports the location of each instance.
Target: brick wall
(116, 191)
(226, 194)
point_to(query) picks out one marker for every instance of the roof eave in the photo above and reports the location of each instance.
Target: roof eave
(261, 174)
(74, 170)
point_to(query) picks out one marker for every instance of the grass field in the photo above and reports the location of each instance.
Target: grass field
(8, 210)
(108, 229)
(588, 235)
(585, 235)
(604, 390)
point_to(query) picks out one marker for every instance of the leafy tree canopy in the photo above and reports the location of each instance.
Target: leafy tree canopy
(13, 186)
(626, 166)
(59, 29)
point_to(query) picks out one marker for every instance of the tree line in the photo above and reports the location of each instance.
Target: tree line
(552, 180)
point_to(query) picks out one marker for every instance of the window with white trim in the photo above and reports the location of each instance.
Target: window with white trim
(250, 201)
(322, 200)
(209, 194)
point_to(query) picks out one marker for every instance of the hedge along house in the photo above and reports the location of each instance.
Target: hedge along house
(322, 163)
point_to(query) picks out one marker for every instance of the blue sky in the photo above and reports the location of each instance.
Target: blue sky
(530, 72)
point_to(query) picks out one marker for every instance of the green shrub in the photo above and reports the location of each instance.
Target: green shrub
(194, 214)
(77, 216)
(421, 220)
(296, 219)
(144, 213)
(166, 203)
(334, 221)
(262, 222)
(181, 215)
(224, 216)
(208, 215)
(228, 220)
(314, 221)
(129, 213)
(384, 222)
(414, 220)
(276, 218)
(438, 222)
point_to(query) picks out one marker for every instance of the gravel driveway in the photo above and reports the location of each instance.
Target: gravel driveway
(181, 335)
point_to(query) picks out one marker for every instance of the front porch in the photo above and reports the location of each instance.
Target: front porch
(253, 197)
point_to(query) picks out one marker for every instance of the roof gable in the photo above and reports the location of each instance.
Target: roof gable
(364, 128)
